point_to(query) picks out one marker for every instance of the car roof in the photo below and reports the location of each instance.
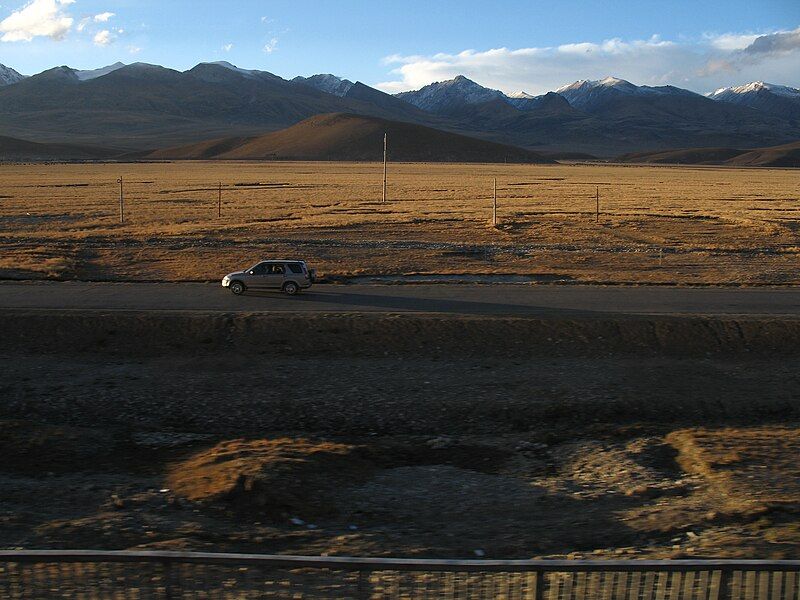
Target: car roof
(278, 260)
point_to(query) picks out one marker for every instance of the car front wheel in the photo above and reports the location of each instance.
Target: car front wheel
(237, 287)
(291, 288)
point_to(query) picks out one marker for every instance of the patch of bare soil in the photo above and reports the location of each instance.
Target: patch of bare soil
(403, 455)
(272, 476)
(608, 491)
(759, 464)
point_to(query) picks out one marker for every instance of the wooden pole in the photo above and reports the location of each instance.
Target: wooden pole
(121, 202)
(597, 205)
(494, 205)
(219, 201)
(385, 160)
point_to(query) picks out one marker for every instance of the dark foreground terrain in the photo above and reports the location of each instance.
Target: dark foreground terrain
(394, 436)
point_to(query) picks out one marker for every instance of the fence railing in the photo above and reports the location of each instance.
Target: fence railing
(93, 575)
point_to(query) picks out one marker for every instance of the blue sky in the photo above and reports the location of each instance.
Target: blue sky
(511, 44)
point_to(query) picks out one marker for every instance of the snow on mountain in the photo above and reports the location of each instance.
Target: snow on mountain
(756, 87)
(588, 84)
(95, 73)
(586, 94)
(9, 76)
(328, 83)
(778, 100)
(521, 96)
(444, 95)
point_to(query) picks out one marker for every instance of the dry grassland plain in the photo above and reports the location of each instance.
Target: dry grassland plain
(667, 225)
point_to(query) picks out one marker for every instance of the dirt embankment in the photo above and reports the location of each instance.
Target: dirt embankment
(138, 333)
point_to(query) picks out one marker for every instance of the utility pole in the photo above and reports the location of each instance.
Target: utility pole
(121, 202)
(597, 205)
(494, 205)
(219, 201)
(385, 159)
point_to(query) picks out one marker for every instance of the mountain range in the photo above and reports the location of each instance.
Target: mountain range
(141, 107)
(779, 100)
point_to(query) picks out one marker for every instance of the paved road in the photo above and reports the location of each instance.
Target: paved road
(532, 300)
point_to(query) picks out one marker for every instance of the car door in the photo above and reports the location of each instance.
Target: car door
(255, 278)
(274, 276)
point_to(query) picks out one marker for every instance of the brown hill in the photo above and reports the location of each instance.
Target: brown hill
(787, 155)
(341, 136)
(13, 149)
(686, 156)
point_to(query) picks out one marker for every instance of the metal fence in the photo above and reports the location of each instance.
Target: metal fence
(174, 575)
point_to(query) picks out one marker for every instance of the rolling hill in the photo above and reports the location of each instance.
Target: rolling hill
(787, 155)
(13, 149)
(352, 137)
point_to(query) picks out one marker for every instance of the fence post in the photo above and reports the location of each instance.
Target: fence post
(494, 204)
(385, 161)
(121, 202)
(724, 590)
(539, 585)
(597, 205)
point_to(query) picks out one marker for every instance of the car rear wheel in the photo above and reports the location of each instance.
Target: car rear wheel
(291, 288)
(237, 287)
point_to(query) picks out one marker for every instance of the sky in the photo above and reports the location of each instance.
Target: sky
(511, 45)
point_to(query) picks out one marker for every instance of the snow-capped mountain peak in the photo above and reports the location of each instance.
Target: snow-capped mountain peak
(587, 94)
(614, 82)
(445, 95)
(325, 82)
(588, 84)
(521, 95)
(756, 87)
(779, 100)
(9, 76)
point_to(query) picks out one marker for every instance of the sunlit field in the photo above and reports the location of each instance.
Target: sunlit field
(700, 225)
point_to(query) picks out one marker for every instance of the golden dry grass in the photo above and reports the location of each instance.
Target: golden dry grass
(658, 224)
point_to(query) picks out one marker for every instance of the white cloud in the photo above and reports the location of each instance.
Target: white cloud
(103, 38)
(227, 47)
(713, 61)
(38, 18)
(134, 49)
(103, 17)
(731, 41)
(271, 45)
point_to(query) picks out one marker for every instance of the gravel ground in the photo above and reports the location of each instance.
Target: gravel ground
(399, 395)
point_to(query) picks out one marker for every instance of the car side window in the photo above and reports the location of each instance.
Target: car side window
(295, 268)
(260, 269)
(277, 269)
